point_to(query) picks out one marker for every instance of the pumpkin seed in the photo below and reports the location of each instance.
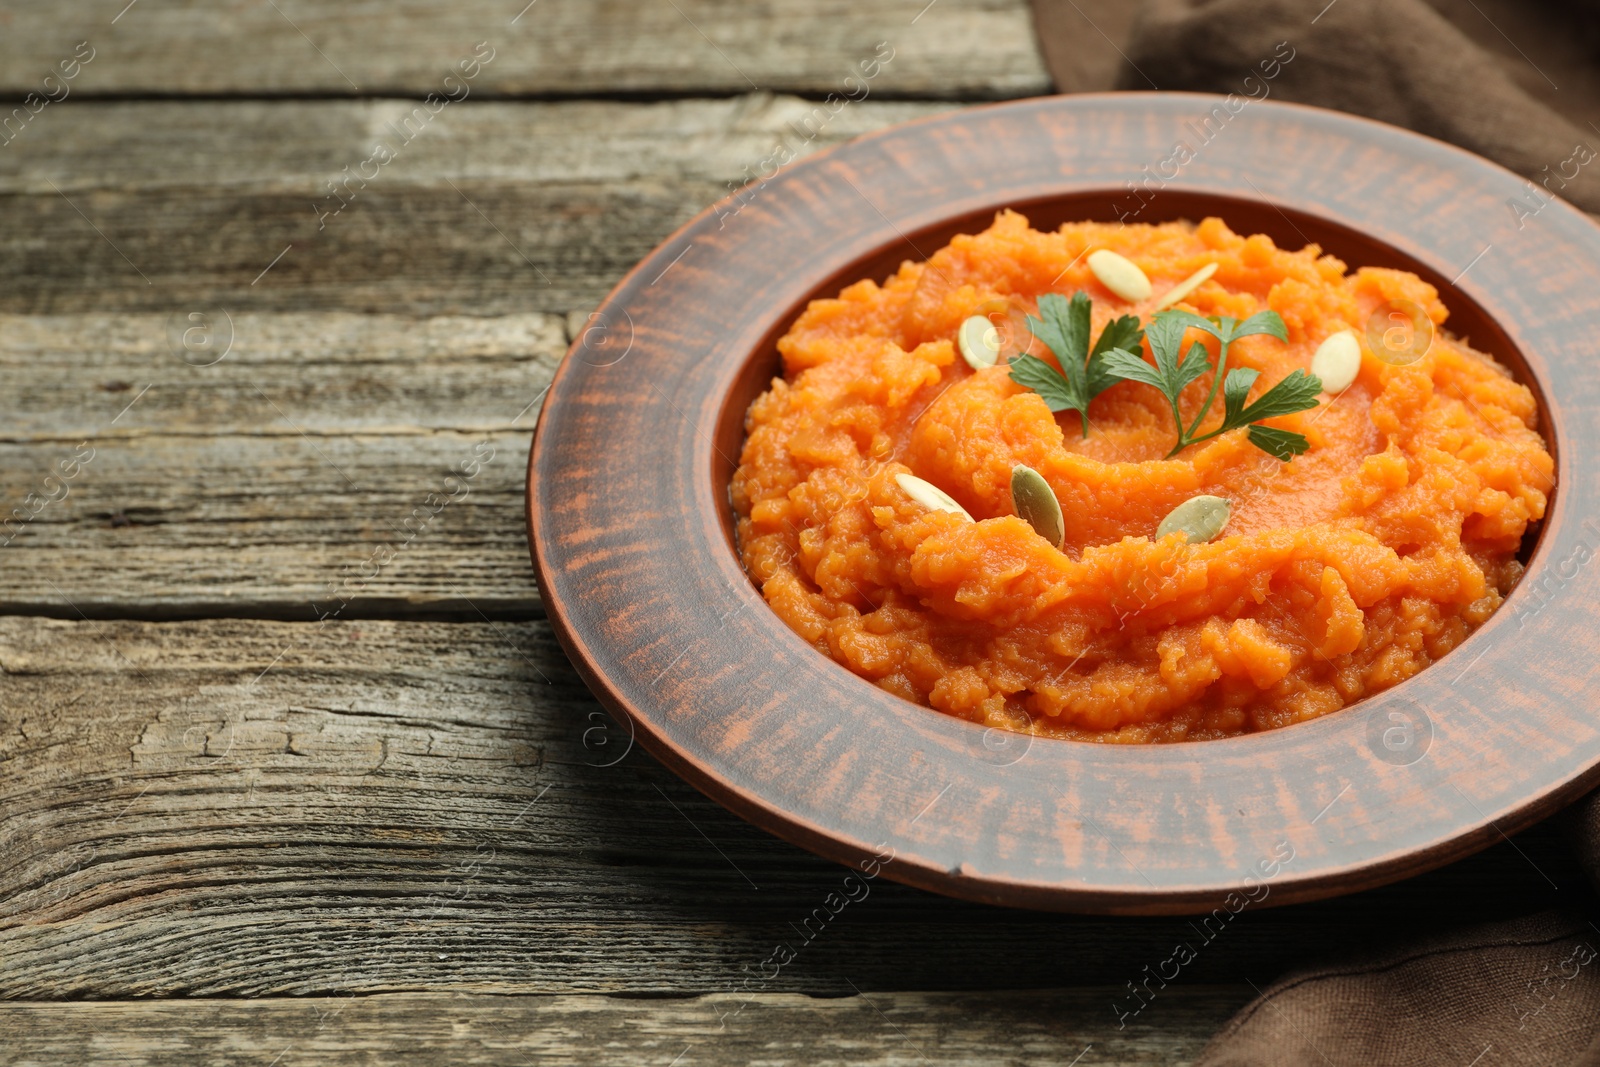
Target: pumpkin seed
(1120, 274)
(1337, 361)
(1036, 504)
(929, 495)
(1185, 287)
(1200, 518)
(979, 342)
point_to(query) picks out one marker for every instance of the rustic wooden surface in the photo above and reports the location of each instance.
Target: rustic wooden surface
(246, 836)
(949, 49)
(1013, 1028)
(465, 219)
(238, 807)
(302, 452)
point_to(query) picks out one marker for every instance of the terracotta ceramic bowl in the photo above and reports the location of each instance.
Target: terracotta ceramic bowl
(633, 536)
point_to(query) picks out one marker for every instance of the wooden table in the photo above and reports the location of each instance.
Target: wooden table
(292, 769)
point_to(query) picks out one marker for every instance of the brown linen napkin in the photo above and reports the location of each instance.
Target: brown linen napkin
(1426, 66)
(1517, 81)
(1520, 992)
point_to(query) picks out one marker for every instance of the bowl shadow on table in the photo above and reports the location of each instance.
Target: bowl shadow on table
(771, 917)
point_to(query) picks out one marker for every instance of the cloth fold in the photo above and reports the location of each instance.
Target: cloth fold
(1403, 62)
(1511, 993)
(1516, 81)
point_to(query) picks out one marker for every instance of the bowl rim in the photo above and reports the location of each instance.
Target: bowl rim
(973, 882)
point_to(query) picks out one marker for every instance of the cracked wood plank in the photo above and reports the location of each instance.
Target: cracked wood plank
(247, 808)
(951, 49)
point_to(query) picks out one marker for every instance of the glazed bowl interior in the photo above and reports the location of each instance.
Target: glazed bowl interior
(1288, 228)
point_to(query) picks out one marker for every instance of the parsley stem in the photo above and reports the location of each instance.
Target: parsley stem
(1187, 441)
(1218, 432)
(1216, 383)
(1187, 437)
(1177, 417)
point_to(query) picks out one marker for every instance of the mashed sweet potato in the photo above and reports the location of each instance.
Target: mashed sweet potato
(1339, 574)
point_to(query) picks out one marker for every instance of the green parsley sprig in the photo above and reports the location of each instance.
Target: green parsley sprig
(1297, 392)
(1064, 328)
(1086, 374)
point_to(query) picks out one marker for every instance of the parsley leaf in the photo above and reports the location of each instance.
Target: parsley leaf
(1297, 392)
(1267, 322)
(1132, 368)
(1192, 369)
(1124, 333)
(1168, 375)
(1042, 378)
(1284, 444)
(1120, 335)
(1172, 324)
(1064, 327)
(1235, 391)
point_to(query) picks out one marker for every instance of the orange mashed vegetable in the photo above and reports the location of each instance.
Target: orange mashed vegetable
(1339, 574)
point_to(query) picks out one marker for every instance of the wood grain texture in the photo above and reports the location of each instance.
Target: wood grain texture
(493, 208)
(954, 49)
(647, 595)
(71, 377)
(1045, 1028)
(274, 524)
(339, 424)
(317, 463)
(243, 808)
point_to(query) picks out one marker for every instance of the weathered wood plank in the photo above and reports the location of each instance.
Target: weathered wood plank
(490, 209)
(258, 808)
(1014, 1028)
(278, 524)
(74, 377)
(195, 545)
(298, 146)
(263, 483)
(951, 49)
